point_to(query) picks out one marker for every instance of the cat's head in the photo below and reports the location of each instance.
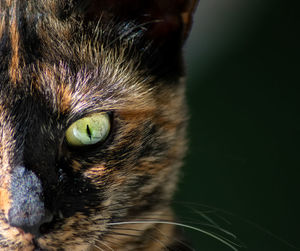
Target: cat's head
(92, 119)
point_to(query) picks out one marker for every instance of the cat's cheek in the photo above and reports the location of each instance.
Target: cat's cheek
(44, 244)
(95, 173)
(75, 234)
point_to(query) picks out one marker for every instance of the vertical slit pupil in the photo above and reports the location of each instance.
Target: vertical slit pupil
(88, 131)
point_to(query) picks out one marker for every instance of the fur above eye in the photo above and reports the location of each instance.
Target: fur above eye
(89, 130)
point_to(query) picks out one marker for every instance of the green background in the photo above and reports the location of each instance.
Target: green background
(242, 167)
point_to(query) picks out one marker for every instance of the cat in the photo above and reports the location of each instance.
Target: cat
(93, 120)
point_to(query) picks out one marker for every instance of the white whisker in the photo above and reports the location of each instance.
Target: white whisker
(106, 245)
(219, 211)
(95, 246)
(212, 225)
(203, 215)
(176, 239)
(223, 240)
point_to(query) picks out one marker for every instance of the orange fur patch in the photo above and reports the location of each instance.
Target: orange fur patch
(14, 71)
(96, 171)
(2, 25)
(64, 98)
(21, 241)
(4, 200)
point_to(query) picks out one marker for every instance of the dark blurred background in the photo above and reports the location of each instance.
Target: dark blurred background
(242, 171)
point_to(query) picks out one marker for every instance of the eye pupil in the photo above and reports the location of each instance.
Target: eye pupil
(88, 131)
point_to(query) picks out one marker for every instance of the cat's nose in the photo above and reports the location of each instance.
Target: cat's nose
(27, 209)
(29, 223)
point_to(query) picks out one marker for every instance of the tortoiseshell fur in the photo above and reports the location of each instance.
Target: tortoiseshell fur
(60, 63)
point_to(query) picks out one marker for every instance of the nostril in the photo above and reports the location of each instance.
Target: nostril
(29, 223)
(36, 229)
(18, 217)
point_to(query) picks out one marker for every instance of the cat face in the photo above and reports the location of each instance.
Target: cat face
(92, 120)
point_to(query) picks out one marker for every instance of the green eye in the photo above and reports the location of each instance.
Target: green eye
(89, 130)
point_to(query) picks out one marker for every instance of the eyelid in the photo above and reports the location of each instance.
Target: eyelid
(77, 117)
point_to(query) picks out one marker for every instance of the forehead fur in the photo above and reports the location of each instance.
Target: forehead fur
(112, 84)
(77, 71)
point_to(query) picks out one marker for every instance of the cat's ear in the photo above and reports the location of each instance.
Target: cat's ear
(165, 25)
(162, 18)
